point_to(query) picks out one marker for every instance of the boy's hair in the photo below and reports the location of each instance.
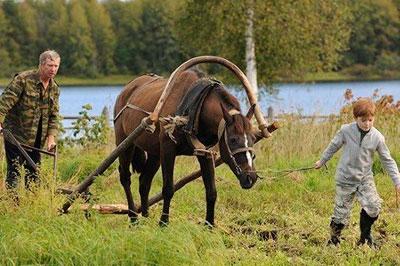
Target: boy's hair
(363, 107)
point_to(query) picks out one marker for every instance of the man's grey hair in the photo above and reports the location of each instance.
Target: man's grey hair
(48, 54)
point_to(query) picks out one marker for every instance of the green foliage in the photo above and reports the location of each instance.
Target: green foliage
(102, 35)
(10, 10)
(359, 71)
(387, 64)
(161, 51)
(27, 33)
(291, 37)
(81, 51)
(144, 39)
(54, 27)
(4, 56)
(375, 31)
(88, 130)
(125, 21)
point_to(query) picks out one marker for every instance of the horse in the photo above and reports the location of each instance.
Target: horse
(220, 121)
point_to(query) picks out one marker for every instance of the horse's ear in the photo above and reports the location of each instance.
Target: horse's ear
(250, 113)
(225, 113)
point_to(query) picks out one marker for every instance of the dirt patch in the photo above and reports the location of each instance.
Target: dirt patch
(268, 235)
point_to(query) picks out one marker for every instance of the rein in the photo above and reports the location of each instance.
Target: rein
(292, 170)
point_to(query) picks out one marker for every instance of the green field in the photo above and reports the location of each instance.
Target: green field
(282, 220)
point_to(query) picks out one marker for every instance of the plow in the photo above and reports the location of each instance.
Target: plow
(148, 124)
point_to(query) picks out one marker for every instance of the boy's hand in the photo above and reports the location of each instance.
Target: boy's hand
(318, 164)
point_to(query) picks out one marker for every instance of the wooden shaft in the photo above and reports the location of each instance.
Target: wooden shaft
(105, 164)
(39, 150)
(55, 162)
(10, 138)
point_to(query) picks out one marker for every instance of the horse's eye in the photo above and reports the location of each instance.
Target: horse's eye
(233, 140)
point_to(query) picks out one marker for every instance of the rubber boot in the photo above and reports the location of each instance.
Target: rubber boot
(366, 223)
(336, 230)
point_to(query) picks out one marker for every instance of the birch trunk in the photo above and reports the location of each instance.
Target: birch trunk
(251, 64)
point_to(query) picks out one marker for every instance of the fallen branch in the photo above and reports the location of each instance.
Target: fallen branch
(106, 208)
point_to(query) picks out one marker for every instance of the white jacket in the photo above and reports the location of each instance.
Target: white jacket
(355, 165)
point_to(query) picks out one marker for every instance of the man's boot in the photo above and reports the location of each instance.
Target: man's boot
(336, 230)
(366, 223)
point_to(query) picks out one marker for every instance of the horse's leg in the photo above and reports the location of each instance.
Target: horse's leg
(208, 175)
(125, 179)
(168, 154)
(145, 179)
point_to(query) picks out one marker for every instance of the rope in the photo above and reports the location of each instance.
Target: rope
(289, 171)
(171, 123)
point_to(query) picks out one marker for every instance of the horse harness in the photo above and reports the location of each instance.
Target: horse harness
(187, 121)
(222, 131)
(132, 106)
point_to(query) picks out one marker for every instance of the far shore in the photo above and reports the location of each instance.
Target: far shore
(120, 80)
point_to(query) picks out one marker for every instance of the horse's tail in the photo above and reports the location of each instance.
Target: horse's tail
(139, 160)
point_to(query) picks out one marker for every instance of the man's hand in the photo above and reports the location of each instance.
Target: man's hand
(398, 189)
(51, 143)
(318, 164)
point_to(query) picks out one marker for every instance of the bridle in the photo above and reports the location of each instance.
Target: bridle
(223, 132)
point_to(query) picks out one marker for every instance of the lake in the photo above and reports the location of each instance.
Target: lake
(304, 98)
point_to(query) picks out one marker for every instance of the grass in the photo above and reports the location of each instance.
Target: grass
(283, 220)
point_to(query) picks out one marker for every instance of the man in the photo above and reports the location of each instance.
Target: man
(29, 110)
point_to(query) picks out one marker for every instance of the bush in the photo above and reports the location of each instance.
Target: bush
(89, 130)
(387, 64)
(359, 71)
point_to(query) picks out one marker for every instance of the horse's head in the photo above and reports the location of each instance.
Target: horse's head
(236, 145)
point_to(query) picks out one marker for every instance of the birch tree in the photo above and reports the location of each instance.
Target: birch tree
(289, 38)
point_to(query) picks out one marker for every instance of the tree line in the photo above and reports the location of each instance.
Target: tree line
(133, 37)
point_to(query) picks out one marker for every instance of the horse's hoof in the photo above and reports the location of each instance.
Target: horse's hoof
(145, 214)
(163, 223)
(61, 211)
(209, 225)
(134, 220)
(87, 215)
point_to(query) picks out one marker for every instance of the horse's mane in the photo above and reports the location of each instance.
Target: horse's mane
(241, 123)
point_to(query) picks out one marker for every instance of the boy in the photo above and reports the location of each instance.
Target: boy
(354, 175)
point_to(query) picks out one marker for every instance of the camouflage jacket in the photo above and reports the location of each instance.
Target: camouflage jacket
(24, 101)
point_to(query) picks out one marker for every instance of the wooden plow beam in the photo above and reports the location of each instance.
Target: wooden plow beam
(148, 123)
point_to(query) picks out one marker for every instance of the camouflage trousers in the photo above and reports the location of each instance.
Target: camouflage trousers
(366, 194)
